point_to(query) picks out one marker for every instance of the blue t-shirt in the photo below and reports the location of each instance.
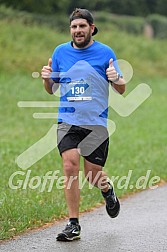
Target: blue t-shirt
(84, 87)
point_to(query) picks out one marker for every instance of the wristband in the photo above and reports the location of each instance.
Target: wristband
(117, 79)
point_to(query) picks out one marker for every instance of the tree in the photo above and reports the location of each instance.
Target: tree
(38, 6)
(161, 7)
(124, 7)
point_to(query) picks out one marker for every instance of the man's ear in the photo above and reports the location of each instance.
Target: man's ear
(92, 27)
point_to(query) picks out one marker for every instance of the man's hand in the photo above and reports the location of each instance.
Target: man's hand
(46, 70)
(111, 73)
(45, 74)
(117, 82)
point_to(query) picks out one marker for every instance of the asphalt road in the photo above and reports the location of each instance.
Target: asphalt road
(140, 226)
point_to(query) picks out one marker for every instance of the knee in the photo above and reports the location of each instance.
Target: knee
(70, 168)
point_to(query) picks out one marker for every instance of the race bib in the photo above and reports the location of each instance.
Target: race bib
(78, 91)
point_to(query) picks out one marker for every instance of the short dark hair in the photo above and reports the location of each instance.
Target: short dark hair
(85, 14)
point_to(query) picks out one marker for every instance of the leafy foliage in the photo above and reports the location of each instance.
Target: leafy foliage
(126, 7)
(159, 24)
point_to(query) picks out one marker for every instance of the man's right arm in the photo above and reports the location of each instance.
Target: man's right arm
(47, 81)
(48, 84)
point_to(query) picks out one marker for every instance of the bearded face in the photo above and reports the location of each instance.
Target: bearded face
(81, 32)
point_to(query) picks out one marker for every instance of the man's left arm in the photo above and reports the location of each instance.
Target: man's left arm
(117, 81)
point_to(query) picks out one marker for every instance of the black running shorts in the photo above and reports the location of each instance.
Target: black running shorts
(91, 141)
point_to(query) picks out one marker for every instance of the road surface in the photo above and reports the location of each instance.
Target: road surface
(141, 227)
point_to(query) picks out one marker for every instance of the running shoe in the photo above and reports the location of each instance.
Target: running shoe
(70, 233)
(112, 203)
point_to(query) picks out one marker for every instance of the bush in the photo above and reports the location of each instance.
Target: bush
(57, 21)
(159, 24)
(125, 23)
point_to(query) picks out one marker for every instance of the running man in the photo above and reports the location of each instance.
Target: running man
(86, 69)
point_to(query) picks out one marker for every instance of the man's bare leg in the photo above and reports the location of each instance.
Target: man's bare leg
(71, 165)
(97, 176)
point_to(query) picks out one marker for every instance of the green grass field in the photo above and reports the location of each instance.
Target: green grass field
(138, 144)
